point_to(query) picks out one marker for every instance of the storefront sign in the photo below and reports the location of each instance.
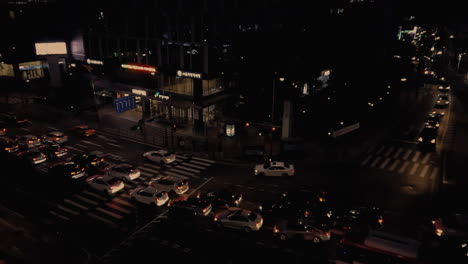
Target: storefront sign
(194, 75)
(51, 48)
(139, 92)
(139, 67)
(95, 62)
(124, 103)
(31, 70)
(162, 97)
(230, 130)
(7, 70)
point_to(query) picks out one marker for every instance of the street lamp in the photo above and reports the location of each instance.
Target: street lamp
(281, 79)
(460, 55)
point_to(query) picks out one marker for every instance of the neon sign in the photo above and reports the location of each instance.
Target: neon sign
(139, 68)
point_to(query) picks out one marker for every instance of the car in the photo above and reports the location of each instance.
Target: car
(444, 96)
(441, 103)
(84, 130)
(359, 218)
(32, 156)
(451, 225)
(53, 150)
(222, 199)
(160, 156)
(433, 120)
(55, 137)
(105, 183)
(92, 163)
(15, 119)
(444, 88)
(285, 229)
(67, 170)
(149, 195)
(239, 218)
(428, 136)
(3, 131)
(274, 168)
(124, 171)
(170, 184)
(8, 145)
(29, 141)
(438, 114)
(192, 205)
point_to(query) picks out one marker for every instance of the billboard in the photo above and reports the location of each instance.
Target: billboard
(124, 103)
(51, 48)
(31, 70)
(7, 70)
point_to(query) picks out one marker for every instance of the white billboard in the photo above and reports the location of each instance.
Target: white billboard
(51, 48)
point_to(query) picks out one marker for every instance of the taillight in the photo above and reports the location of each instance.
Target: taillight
(328, 234)
(291, 171)
(168, 159)
(380, 220)
(275, 229)
(57, 138)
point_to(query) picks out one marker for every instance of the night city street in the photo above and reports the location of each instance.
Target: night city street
(233, 131)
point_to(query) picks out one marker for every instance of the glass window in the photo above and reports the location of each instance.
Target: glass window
(178, 85)
(212, 86)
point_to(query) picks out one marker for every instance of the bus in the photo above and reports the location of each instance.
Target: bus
(378, 247)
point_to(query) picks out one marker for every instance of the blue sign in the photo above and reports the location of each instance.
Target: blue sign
(124, 103)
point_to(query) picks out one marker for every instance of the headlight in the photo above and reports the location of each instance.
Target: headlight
(433, 141)
(256, 172)
(420, 139)
(260, 207)
(439, 232)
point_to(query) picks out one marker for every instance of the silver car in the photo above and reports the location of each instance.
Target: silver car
(55, 137)
(285, 229)
(149, 195)
(239, 218)
(174, 184)
(29, 141)
(105, 183)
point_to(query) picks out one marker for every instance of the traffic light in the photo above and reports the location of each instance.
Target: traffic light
(273, 129)
(247, 124)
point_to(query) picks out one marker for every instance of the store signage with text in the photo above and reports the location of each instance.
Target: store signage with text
(163, 97)
(194, 75)
(139, 67)
(139, 92)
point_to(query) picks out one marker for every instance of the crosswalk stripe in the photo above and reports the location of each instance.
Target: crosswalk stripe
(181, 171)
(68, 210)
(125, 195)
(148, 170)
(403, 168)
(76, 204)
(204, 160)
(394, 165)
(77, 149)
(415, 167)
(422, 174)
(59, 215)
(434, 172)
(79, 145)
(366, 160)
(122, 202)
(380, 149)
(107, 212)
(377, 160)
(146, 174)
(118, 208)
(395, 156)
(426, 158)
(86, 199)
(387, 153)
(372, 148)
(102, 219)
(416, 156)
(151, 166)
(176, 174)
(408, 152)
(200, 163)
(179, 159)
(194, 166)
(387, 160)
(102, 198)
(187, 169)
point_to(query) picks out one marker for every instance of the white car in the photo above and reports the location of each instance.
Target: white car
(55, 137)
(170, 184)
(124, 171)
(274, 168)
(105, 183)
(149, 195)
(239, 218)
(160, 156)
(29, 141)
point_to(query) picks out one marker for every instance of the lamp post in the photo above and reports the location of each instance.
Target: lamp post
(273, 111)
(460, 55)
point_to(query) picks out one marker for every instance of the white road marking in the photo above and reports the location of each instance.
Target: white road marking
(426, 158)
(395, 156)
(58, 215)
(380, 149)
(204, 160)
(86, 199)
(366, 160)
(52, 128)
(102, 219)
(123, 202)
(81, 146)
(403, 168)
(91, 143)
(387, 153)
(180, 166)
(434, 172)
(377, 160)
(152, 166)
(194, 166)
(107, 212)
(416, 156)
(102, 198)
(76, 204)
(203, 184)
(200, 163)
(68, 210)
(181, 171)
(408, 152)
(415, 167)
(118, 208)
(387, 160)
(372, 148)
(422, 174)
(115, 145)
(70, 147)
(176, 174)
(146, 174)
(25, 129)
(108, 139)
(394, 165)
(147, 169)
